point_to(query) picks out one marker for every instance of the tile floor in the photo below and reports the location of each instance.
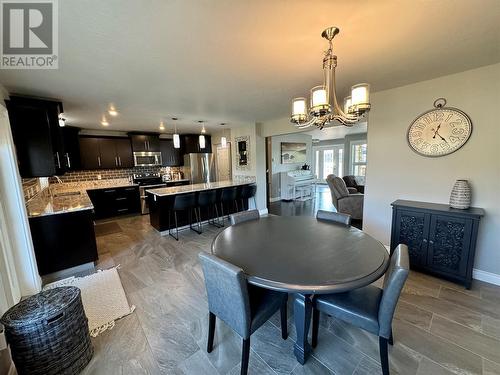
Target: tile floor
(439, 327)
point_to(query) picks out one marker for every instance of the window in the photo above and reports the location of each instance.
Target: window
(328, 160)
(358, 158)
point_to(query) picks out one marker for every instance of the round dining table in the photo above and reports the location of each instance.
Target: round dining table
(303, 256)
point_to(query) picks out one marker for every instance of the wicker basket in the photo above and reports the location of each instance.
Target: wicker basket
(48, 333)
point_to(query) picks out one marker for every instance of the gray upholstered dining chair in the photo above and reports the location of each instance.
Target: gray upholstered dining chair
(334, 217)
(242, 306)
(343, 200)
(369, 308)
(243, 216)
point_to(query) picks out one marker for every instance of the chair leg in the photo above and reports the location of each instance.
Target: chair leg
(245, 356)
(384, 355)
(315, 328)
(391, 339)
(176, 237)
(211, 332)
(191, 220)
(284, 320)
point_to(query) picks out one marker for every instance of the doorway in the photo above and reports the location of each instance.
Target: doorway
(328, 160)
(223, 162)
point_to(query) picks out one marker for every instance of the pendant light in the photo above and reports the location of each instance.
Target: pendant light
(177, 139)
(201, 138)
(223, 140)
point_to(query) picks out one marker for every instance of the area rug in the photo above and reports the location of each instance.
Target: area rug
(103, 297)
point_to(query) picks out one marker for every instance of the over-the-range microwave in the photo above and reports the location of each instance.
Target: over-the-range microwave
(147, 159)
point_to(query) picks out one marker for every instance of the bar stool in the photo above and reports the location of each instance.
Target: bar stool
(228, 195)
(208, 199)
(183, 202)
(247, 192)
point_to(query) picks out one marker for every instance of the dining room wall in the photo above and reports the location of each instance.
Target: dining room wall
(394, 171)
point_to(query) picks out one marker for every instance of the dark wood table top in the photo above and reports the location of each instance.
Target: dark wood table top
(302, 255)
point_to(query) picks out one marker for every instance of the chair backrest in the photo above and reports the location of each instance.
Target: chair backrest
(229, 194)
(394, 280)
(334, 217)
(248, 191)
(227, 293)
(338, 189)
(207, 198)
(184, 201)
(243, 216)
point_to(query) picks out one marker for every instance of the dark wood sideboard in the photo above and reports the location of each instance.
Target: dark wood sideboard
(441, 240)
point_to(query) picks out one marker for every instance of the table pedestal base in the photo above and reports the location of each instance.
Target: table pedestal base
(302, 309)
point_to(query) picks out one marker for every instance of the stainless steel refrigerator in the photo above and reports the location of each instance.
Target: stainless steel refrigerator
(199, 168)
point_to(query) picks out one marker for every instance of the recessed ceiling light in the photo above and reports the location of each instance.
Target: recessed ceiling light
(112, 111)
(175, 118)
(104, 121)
(162, 127)
(223, 123)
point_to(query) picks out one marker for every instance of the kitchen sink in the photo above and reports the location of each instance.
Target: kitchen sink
(67, 194)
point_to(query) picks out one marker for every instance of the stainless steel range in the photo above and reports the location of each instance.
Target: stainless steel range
(147, 181)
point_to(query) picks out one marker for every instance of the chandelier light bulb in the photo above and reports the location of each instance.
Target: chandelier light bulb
(223, 142)
(347, 104)
(62, 120)
(360, 97)
(162, 127)
(202, 141)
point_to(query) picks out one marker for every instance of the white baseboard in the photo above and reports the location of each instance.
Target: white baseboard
(487, 277)
(263, 212)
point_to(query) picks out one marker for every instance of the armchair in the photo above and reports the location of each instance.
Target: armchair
(343, 200)
(351, 182)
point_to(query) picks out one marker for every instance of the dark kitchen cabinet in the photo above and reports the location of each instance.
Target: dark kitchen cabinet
(63, 240)
(145, 142)
(37, 136)
(441, 240)
(170, 156)
(71, 158)
(191, 144)
(123, 149)
(90, 155)
(115, 201)
(105, 153)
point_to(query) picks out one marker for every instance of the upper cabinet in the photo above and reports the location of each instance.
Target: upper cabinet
(145, 142)
(71, 156)
(105, 153)
(170, 156)
(191, 144)
(37, 136)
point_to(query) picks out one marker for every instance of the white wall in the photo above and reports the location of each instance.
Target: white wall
(395, 171)
(276, 165)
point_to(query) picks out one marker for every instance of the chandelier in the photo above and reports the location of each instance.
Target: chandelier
(324, 107)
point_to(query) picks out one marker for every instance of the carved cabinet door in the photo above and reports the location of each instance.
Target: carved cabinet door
(449, 244)
(412, 229)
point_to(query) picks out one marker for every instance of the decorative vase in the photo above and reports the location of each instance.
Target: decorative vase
(460, 195)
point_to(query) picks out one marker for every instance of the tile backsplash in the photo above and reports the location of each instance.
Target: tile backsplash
(90, 175)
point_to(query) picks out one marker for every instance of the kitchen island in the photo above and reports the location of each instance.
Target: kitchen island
(161, 201)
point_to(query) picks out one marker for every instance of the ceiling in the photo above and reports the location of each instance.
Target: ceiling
(240, 61)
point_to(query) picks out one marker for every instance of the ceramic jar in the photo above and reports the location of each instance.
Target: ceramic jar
(460, 195)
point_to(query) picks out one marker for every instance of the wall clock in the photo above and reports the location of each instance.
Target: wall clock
(440, 131)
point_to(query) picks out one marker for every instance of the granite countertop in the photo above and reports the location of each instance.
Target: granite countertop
(69, 196)
(162, 192)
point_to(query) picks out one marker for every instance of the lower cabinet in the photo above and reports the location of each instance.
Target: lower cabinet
(115, 201)
(441, 240)
(63, 240)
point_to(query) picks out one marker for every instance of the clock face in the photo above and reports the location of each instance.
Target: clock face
(439, 132)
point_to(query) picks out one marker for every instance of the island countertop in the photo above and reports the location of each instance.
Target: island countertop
(162, 192)
(69, 197)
